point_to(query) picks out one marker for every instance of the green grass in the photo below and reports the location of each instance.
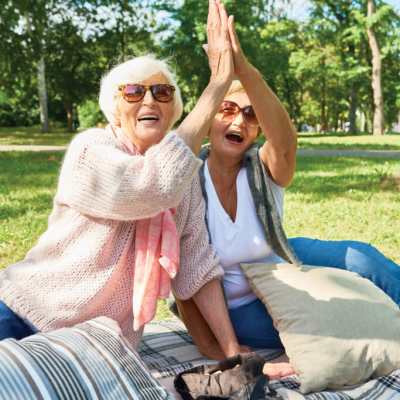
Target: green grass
(330, 198)
(33, 136)
(342, 141)
(346, 198)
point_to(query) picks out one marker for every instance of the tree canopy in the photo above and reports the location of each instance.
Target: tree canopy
(320, 67)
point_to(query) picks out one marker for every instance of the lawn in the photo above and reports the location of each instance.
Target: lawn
(343, 141)
(330, 198)
(32, 135)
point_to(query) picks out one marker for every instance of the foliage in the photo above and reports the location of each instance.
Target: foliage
(90, 114)
(319, 67)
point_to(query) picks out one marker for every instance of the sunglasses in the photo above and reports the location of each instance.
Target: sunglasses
(229, 110)
(134, 92)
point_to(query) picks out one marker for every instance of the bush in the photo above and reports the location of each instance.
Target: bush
(90, 114)
(17, 112)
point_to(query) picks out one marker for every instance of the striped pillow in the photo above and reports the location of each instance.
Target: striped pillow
(88, 361)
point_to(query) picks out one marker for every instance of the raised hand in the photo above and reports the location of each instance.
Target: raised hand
(241, 64)
(219, 49)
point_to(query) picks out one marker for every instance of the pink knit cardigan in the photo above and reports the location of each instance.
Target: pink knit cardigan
(83, 265)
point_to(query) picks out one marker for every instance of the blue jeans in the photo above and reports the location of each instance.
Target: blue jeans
(252, 323)
(11, 325)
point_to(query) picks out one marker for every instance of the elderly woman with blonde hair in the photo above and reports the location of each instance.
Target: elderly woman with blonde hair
(128, 216)
(243, 183)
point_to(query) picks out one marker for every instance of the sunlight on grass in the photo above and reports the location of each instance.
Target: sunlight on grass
(353, 202)
(33, 136)
(342, 141)
(309, 140)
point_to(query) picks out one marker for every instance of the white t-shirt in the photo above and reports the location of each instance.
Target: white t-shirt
(239, 241)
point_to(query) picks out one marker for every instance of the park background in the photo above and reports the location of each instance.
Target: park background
(335, 64)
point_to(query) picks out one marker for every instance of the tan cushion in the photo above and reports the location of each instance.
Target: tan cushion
(337, 328)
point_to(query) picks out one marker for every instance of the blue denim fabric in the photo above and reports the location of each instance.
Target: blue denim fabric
(11, 325)
(253, 326)
(252, 323)
(354, 256)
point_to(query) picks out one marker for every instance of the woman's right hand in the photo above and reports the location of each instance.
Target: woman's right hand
(196, 125)
(219, 49)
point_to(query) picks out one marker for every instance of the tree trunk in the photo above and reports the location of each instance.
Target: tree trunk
(378, 122)
(362, 122)
(353, 109)
(44, 116)
(70, 116)
(324, 117)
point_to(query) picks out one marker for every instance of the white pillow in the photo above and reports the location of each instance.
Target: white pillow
(337, 328)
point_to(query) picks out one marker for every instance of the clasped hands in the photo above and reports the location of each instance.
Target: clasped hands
(225, 56)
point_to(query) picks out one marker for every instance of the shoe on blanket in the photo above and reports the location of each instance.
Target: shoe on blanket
(236, 378)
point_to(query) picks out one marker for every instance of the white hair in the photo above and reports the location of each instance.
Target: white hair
(135, 70)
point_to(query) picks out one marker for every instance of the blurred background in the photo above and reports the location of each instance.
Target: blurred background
(318, 56)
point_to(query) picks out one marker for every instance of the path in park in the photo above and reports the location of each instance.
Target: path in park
(395, 154)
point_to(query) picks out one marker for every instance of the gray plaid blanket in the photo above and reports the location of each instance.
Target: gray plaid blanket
(167, 350)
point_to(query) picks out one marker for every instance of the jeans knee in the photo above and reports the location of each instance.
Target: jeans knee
(359, 259)
(363, 247)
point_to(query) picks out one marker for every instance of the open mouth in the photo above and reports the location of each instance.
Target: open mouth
(149, 117)
(235, 137)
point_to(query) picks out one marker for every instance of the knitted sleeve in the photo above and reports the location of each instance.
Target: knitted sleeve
(101, 180)
(199, 263)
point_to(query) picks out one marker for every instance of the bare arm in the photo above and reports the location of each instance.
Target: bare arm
(279, 151)
(211, 303)
(209, 298)
(197, 124)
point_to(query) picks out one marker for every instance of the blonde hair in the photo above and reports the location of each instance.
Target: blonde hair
(236, 86)
(135, 70)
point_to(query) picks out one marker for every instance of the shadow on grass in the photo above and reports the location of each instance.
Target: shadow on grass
(23, 170)
(323, 178)
(33, 135)
(318, 178)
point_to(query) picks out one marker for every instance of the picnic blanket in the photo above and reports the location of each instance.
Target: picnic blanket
(167, 350)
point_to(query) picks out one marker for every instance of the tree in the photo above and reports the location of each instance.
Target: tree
(376, 80)
(186, 33)
(29, 25)
(74, 68)
(346, 33)
(35, 20)
(281, 38)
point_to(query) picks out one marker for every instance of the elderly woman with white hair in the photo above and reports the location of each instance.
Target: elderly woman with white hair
(128, 216)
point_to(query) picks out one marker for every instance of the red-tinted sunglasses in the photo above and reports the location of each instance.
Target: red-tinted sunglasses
(229, 111)
(134, 92)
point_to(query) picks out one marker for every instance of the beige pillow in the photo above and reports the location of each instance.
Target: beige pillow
(338, 328)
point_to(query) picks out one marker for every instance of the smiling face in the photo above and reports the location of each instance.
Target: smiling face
(147, 121)
(232, 139)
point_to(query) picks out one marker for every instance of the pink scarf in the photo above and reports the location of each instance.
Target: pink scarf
(156, 256)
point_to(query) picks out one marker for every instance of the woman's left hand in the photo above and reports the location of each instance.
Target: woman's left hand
(240, 61)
